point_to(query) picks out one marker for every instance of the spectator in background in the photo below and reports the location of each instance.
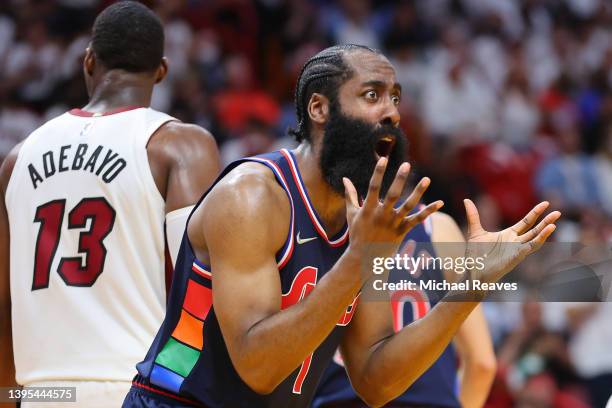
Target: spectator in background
(351, 23)
(453, 85)
(191, 102)
(558, 107)
(404, 41)
(240, 100)
(7, 34)
(31, 71)
(569, 181)
(234, 22)
(603, 169)
(607, 64)
(590, 350)
(534, 365)
(408, 28)
(179, 37)
(256, 137)
(599, 130)
(519, 112)
(594, 102)
(302, 25)
(544, 63)
(206, 61)
(488, 48)
(16, 121)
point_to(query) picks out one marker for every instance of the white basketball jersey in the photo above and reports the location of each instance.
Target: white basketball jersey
(87, 247)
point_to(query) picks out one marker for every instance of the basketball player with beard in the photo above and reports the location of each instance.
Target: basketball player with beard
(267, 284)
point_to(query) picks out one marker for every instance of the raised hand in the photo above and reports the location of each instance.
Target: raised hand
(504, 250)
(379, 221)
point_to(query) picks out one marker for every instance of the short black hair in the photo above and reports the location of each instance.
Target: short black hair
(322, 73)
(128, 35)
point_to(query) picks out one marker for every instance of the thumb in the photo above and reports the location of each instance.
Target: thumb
(473, 219)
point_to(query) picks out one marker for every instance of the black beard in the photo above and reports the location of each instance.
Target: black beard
(348, 151)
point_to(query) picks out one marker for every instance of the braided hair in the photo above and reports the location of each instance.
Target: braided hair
(322, 73)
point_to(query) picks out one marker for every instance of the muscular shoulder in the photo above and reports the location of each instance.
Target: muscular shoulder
(247, 203)
(250, 179)
(184, 161)
(6, 170)
(248, 195)
(182, 140)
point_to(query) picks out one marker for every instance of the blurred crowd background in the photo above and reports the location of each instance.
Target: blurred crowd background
(504, 101)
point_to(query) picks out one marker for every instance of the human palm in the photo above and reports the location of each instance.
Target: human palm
(503, 250)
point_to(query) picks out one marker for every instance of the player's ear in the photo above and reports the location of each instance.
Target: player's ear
(162, 70)
(89, 62)
(318, 109)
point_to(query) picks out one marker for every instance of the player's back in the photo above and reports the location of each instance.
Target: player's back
(87, 247)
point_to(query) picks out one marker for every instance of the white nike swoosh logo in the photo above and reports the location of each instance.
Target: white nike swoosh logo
(305, 240)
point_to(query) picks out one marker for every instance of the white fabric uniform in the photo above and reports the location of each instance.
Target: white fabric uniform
(176, 222)
(93, 305)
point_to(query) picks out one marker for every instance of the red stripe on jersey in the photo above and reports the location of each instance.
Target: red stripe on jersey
(165, 394)
(311, 213)
(86, 114)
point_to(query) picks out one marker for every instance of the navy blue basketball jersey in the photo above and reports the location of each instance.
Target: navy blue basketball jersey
(437, 386)
(188, 362)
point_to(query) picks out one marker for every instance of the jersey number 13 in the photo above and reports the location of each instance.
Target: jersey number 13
(50, 216)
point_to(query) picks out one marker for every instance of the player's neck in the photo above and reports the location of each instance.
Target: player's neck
(329, 204)
(117, 90)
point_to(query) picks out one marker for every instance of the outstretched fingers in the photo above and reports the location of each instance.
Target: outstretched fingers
(532, 233)
(536, 243)
(414, 198)
(530, 219)
(371, 200)
(397, 186)
(417, 218)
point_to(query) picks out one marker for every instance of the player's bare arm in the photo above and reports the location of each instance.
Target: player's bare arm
(473, 341)
(477, 359)
(266, 343)
(7, 368)
(382, 364)
(184, 161)
(242, 224)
